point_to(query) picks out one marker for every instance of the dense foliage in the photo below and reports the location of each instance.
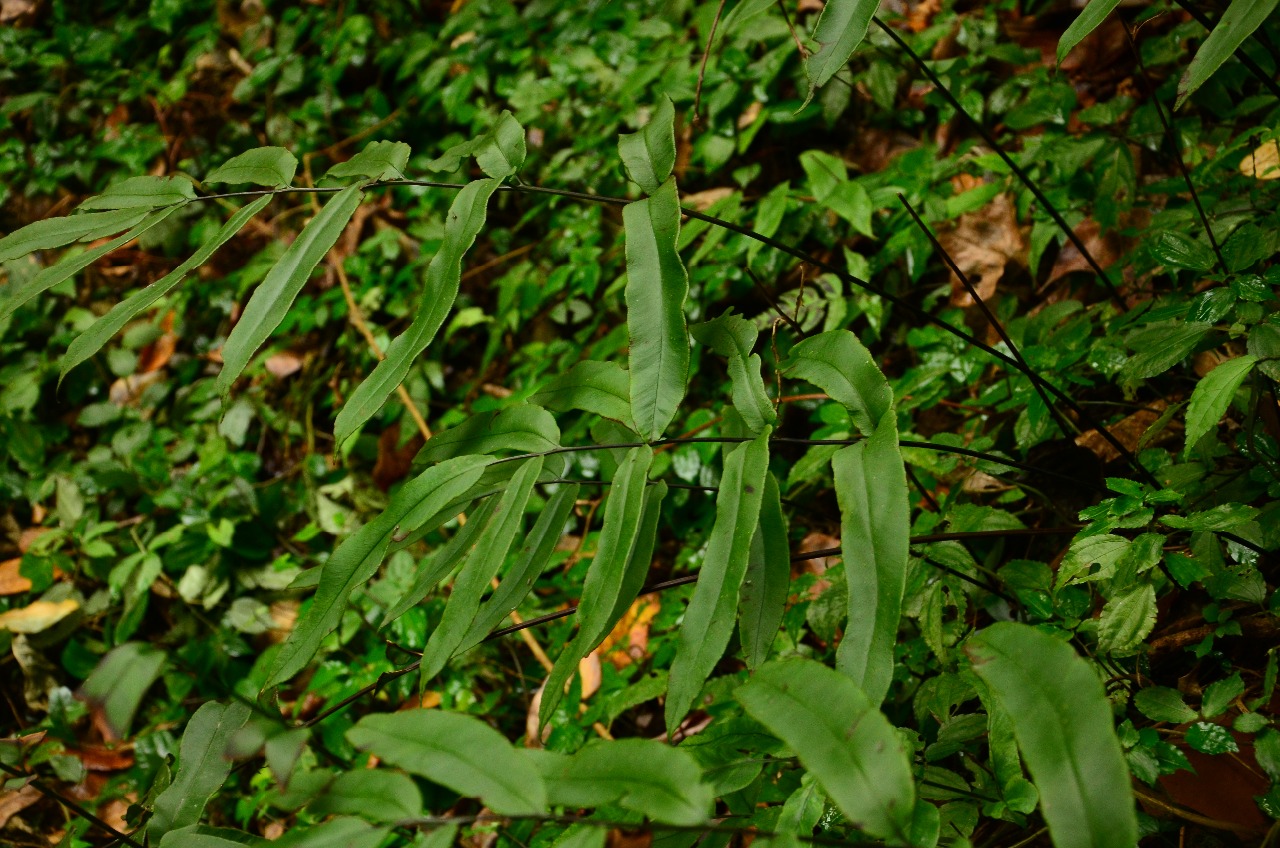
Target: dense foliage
(639, 423)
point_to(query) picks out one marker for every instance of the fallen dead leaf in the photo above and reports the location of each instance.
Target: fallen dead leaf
(749, 115)
(1106, 248)
(156, 355)
(704, 200)
(11, 10)
(394, 459)
(11, 582)
(629, 639)
(589, 671)
(618, 838)
(1263, 163)
(1128, 431)
(283, 364)
(127, 391)
(982, 243)
(15, 801)
(37, 617)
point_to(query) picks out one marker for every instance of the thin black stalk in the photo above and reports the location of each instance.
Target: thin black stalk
(71, 805)
(773, 304)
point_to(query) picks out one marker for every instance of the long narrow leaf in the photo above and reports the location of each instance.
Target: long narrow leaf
(841, 366)
(202, 767)
(841, 27)
(523, 428)
(272, 299)
(708, 622)
(764, 588)
(650, 154)
(60, 232)
(733, 337)
(100, 332)
(599, 387)
(1237, 23)
(265, 166)
(657, 286)
(142, 193)
(1062, 721)
(1088, 20)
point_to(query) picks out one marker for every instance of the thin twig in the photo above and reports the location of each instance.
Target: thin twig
(773, 304)
(702, 69)
(71, 805)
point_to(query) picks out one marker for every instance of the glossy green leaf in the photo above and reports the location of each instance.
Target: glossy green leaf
(623, 519)
(142, 193)
(380, 160)
(479, 569)
(599, 387)
(1089, 19)
(1264, 344)
(501, 151)
(342, 832)
(1177, 250)
(841, 366)
(1209, 738)
(359, 556)
(661, 782)
(875, 529)
(708, 622)
(100, 332)
(522, 428)
(466, 217)
(1237, 23)
(650, 154)
(120, 682)
(59, 232)
(443, 561)
(202, 767)
(273, 297)
(768, 578)
(841, 738)
(377, 794)
(841, 27)
(272, 167)
(1160, 346)
(1127, 620)
(13, 296)
(1063, 724)
(534, 555)
(1160, 703)
(733, 337)
(457, 751)
(657, 286)
(1212, 396)
(203, 836)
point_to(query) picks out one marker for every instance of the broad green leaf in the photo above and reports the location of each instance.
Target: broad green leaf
(733, 337)
(522, 428)
(1213, 395)
(457, 751)
(743, 12)
(661, 782)
(768, 578)
(650, 154)
(13, 296)
(1160, 346)
(1127, 620)
(875, 528)
(1264, 343)
(357, 558)
(657, 286)
(1103, 550)
(708, 622)
(1209, 738)
(501, 151)
(841, 738)
(1236, 24)
(380, 160)
(466, 217)
(1159, 703)
(535, 553)
(377, 794)
(273, 297)
(265, 166)
(142, 193)
(599, 387)
(342, 832)
(202, 767)
(1089, 19)
(1177, 250)
(203, 836)
(443, 561)
(441, 836)
(601, 588)
(841, 27)
(100, 332)
(828, 177)
(1219, 695)
(479, 568)
(581, 835)
(120, 682)
(59, 232)
(841, 366)
(1062, 721)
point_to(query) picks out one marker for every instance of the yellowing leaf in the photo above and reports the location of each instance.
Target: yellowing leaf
(1263, 163)
(38, 616)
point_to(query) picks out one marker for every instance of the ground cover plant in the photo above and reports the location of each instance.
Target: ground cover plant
(639, 424)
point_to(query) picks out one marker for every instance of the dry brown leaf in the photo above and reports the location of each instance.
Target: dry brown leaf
(749, 115)
(127, 391)
(156, 355)
(1105, 248)
(589, 671)
(394, 459)
(982, 243)
(11, 582)
(618, 838)
(1263, 163)
(13, 802)
(704, 200)
(283, 364)
(629, 639)
(1127, 431)
(37, 617)
(11, 10)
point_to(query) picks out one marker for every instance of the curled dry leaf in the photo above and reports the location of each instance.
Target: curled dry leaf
(15, 801)
(37, 617)
(11, 581)
(629, 639)
(1105, 248)
(283, 364)
(1263, 163)
(982, 243)
(1128, 431)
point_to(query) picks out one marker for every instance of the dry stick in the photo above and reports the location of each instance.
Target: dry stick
(1253, 66)
(706, 54)
(72, 805)
(1036, 381)
(1013, 166)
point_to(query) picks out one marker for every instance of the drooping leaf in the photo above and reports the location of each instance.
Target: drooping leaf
(273, 297)
(1127, 620)
(650, 154)
(1236, 24)
(142, 193)
(380, 160)
(272, 167)
(1089, 19)
(121, 680)
(202, 767)
(378, 794)
(1062, 721)
(59, 232)
(657, 286)
(13, 296)
(841, 366)
(733, 337)
(522, 428)
(501, 151)
(457, 751)
(359, 556)
(659, 781)
(1212, 396)
(768, 577)
(480, 568)
(840, 29)
(1160, 346)
(466, 217)
(598, 387)
(100, 332)
(534, 555)
(840, 737)
(708, 622)
(875, 528)
(829, 180)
